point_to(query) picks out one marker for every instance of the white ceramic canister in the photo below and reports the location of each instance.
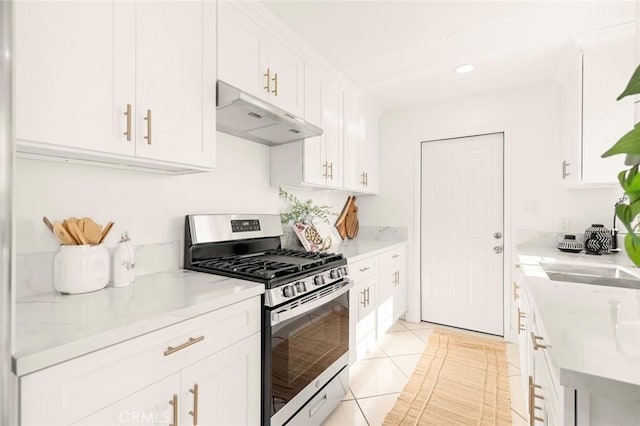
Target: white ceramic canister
(81, 269)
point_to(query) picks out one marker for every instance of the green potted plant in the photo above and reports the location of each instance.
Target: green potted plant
(300, 211)
(629, 144)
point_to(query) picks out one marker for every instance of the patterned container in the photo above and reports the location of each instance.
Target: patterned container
(597, 240)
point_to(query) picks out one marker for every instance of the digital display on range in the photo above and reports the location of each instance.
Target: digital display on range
(245, 225)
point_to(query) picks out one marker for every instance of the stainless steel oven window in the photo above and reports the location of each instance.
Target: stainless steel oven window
(306, 345)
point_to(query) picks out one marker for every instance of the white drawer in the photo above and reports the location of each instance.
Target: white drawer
(363, 269)
(392, 257)
(79, 387)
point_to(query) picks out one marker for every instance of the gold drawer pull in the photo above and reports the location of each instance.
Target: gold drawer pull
(192, 341)
(174, 403)
(535, 339)
(268, 75)
(128, 114)
(395, 256)
(194, 413)
(521, 315)
(275, 84)
(364, 269)
(148, 120)
(516, 287)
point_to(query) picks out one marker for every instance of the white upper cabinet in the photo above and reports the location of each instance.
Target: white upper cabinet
(252, 60)
(74, 74)
(286, 78)
(315, 161)
(360, 144)
(175, 81)
(116, 82)
(597, 71)
(242, 51)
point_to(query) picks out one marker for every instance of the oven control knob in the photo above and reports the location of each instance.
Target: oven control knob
(345, 271)
(335, 274)
(318, 280)
(300, 287)
(287, 291)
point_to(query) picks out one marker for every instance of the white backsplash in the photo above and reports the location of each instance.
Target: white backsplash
(34, 272)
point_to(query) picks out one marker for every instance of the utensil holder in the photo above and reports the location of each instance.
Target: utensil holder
(81, 268)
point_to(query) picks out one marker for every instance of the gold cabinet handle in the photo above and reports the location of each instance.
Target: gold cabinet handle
(517, 266)
(521, 315)
(366, 268)
(192, 341)
(325, 170)
(367, 294)
(275, 83)
(364, 298)
(532, 406)
(515, 291)
(331, 173)
(535, 339)
(362, 179)
(366, 179)
(148, 119)
(127, 113)
(268, 76)
(174, 403)
(194, 413)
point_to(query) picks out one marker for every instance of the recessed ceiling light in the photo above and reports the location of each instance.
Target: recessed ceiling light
(464, 68)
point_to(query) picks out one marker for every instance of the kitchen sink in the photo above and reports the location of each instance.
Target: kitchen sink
(607, 275)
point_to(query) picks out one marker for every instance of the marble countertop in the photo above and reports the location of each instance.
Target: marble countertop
(52, 328)
(593, 330)
(355, 250)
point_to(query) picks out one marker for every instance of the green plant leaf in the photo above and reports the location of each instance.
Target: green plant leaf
(628, 144)
(633, 88)
(627, 213)
(632, 247)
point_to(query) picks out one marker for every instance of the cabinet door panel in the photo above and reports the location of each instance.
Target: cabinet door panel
(287, 72)
(353, 169)
(74, 73)
(149, 406)
(314, 155)
(241, 51)
(332, 125)
(175, 69)
(228, 390)
(606, 70)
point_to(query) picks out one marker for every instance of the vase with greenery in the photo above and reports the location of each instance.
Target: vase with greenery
(628, 212)
(300, 211)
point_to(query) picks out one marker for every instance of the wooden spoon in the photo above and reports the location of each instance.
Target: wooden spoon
(105, 231)
(77, 233)
(48, 223)
(90, 229)
(63, 235)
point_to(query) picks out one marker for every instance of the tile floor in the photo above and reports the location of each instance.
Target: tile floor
(377, 380)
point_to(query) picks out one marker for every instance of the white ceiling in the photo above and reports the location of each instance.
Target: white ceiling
(404, 53)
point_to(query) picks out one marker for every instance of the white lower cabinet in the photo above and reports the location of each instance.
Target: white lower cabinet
(224, 388)
(206, 367)
(378, 298)
(153, 405)
(546, 400)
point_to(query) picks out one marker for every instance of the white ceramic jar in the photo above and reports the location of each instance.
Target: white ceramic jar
(81, 269)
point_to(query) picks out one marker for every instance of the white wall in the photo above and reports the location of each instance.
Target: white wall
(148, 205)
(532, 117)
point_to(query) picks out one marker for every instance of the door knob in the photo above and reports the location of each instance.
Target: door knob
(497, 235)
(497, 249)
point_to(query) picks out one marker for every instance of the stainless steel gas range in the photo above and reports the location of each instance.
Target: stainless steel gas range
(305, 326)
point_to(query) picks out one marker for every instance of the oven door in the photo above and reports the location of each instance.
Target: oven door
(309, 345)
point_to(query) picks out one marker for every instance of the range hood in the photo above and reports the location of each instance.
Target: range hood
(241, 114)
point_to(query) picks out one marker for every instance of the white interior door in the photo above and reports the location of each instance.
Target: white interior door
(461, 232)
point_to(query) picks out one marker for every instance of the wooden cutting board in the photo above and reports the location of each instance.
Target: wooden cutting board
(347, 223)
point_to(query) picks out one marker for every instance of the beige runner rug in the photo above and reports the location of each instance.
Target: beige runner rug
(460, 379)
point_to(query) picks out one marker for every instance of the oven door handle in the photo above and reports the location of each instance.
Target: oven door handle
(278, 317)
